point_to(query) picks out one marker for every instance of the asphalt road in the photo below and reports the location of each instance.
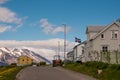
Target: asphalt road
(50, 73)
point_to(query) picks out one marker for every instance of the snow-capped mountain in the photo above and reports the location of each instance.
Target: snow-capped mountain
(9, 56)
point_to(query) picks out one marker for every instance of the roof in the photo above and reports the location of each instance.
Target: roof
(24, 56)
(104, 29)
(94, 28)
(79, 44)
(71, 52)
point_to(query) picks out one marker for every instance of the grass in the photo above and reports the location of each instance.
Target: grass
(110, 72)
(9, 72)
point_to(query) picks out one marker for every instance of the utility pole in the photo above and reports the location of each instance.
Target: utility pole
(64, 40)
(59, 49)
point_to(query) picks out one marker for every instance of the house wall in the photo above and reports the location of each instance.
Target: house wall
(24, 60)
(78, 52)
(70, 56)
(88, 50)
(113, 44)
(97, 43)
(90, 35)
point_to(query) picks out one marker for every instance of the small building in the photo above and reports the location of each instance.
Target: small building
(78, 51)
(24, 60)
(70, 56)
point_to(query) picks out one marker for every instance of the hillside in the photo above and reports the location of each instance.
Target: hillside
(9, 56)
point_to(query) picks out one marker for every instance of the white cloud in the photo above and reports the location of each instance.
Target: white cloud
(47, 48)
(49, 28)
(60, 29)
(7, 16)
(51, 44)
(10, 20)
(57, 30)
(3, 1)
(4, 28)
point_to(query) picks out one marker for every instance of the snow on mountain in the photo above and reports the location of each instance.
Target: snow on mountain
(9, 56)
(6, 56)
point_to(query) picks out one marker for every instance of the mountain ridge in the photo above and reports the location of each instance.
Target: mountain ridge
(8, 55)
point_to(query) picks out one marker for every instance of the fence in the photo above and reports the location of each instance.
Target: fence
(112, 57)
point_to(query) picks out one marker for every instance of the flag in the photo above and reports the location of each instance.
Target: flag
(77, 40)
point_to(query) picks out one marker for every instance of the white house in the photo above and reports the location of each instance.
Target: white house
(102, 38)
(70, 56)
(78, 51)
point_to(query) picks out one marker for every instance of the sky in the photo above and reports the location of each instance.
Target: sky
(39, 23)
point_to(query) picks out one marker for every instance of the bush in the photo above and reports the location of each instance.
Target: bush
(67, 62)
(13, 64)
(96, 64)
(114, 66)
(42, 63)
(101, 65)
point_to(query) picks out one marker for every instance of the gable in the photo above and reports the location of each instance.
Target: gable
(112, 26)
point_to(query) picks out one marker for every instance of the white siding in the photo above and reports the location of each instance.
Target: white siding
(78, 52)
(90, 35)
(97, 43)
(113, 44)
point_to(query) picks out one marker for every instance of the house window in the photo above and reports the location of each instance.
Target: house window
(102, 36)
(114, 34)
(105, 48)
(82, 51)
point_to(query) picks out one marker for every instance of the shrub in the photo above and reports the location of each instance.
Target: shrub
(114, 66)
(67, 62)
(96, 64)
(101, 65)
(42, 63)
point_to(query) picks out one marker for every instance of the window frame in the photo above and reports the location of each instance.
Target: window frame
(105, 48)
(114, 34)
(102, 36)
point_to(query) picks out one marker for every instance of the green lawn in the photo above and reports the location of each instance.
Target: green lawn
(9, 72)
(110, 72)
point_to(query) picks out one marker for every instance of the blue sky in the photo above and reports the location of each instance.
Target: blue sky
(76, 14)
